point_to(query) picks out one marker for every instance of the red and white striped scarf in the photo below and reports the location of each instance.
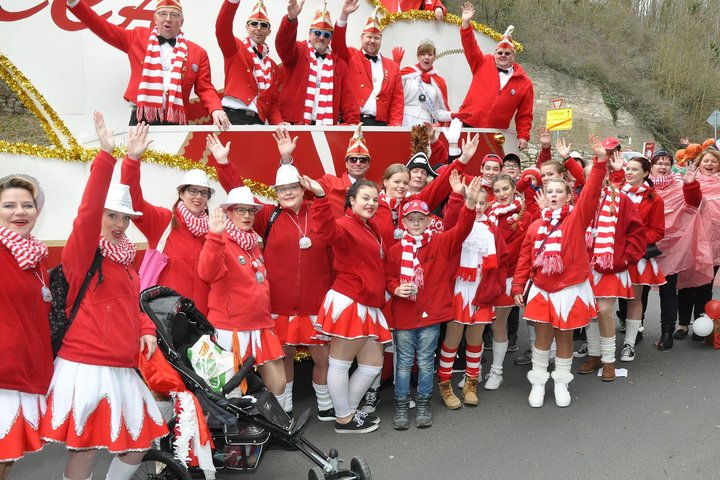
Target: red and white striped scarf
(151, 91)
(636, 193)
(393, 203)
(324, 85)
(661, 182)
(27, 251)
(122, 252)
(496, 210)
(262, 68)
(600, 236)
(247, 240)
(549, 240)
(197, 224)
(478, 251)
(410, 268)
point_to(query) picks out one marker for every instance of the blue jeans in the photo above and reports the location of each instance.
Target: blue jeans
(409, 343)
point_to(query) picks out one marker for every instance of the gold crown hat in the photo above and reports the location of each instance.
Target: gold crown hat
(259, 12)
(169, 4)
(357, 146)
(506, 41)
(322, 20)
(373, 25)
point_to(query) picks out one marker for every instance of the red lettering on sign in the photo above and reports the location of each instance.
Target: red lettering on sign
(139, 13)
(59, 12)
(6, 16)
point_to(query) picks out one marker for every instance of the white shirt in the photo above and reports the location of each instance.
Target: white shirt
(376, 70)
(504, 77)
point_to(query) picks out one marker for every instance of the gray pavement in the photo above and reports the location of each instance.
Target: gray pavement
(662, 421)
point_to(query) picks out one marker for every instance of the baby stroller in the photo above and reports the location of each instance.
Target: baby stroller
(241, 428)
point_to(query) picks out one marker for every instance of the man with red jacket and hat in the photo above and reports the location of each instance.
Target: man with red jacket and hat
(251, 76)
(377, 81)
(164, 65)
(317, 88)
(500, 89)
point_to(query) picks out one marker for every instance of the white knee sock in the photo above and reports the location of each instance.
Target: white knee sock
(531, 332)
(592, 332)
(288, 405)
(562, 374)
(632, 327)
(361, 380)
(540, 359)
(338, 382)
(607, 349)
(281, 401)
(120, 470)
(499, 351)
(553, 349)
(323, 397)
(376, 383)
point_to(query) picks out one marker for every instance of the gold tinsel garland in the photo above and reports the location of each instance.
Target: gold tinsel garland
(389, 18)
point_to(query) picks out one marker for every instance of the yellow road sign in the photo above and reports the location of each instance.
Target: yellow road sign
(558, 119)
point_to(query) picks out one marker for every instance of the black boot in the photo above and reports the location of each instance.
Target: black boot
(401, 416)
(423, 415)
(666, 339)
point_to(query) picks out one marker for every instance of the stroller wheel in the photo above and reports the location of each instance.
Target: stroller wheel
(360, 468)
(316, 473)
(160, 465)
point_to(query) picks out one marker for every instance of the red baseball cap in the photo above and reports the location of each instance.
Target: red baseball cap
(416, 206)
(610, 143)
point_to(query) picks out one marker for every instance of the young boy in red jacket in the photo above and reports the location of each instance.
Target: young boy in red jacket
(417, 270)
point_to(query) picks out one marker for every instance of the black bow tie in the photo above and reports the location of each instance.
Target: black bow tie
(374, 58)
(170, 41)
(260, 55)
(503, 70)
(320, 55)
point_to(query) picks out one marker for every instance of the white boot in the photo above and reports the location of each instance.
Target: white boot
(538, 379)
(562, 377)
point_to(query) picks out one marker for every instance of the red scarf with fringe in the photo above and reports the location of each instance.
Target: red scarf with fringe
(410, 269)
(548, 242)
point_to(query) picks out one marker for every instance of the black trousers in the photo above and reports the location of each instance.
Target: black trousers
(369, 121)
(243, 117)
(134, 121)
(692, 301)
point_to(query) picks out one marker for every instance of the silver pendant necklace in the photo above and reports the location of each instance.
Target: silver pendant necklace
(305, 241)
(44, 290)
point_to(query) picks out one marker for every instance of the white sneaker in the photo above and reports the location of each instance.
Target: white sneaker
(562, 395)
(493, 380)
(628, 353)
(461, 383)
(537, 396)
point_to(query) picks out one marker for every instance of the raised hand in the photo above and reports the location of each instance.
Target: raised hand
(217, 221)
(105, 135)
(348, 7)
(468, 11)
(618, 161)
(562, 148)
(398, 53)
(457, 183)
(598, 148)
(439, 14)
(452, 133)
(690, 173)
(311, 185)
(218, 150)
(138, 142)
(294, 8)
(469, 147)
(285, 144)
(472, 191)
(540, 199)
(544, 137)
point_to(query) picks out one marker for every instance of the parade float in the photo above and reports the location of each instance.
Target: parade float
(62, 73)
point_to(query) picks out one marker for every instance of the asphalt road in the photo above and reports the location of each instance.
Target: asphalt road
(662, 421)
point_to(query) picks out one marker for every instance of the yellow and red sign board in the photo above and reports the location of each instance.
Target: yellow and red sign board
(558, 119)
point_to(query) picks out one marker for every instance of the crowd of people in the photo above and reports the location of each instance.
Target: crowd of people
(352, 269)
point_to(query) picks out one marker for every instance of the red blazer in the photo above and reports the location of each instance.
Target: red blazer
(630, 243)
(652, 214)
(109, 323)
(573, 249)
(27, 364)
(239, 77)
(434, 302)
(488, 106)
(299, 279)
(182, 247)
(237, 300)
(390, 100)
(296, 62)
(196, 72)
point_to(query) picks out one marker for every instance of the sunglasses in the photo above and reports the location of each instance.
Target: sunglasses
(504, 54)
(321, 33)
(256, 23)
(360, 160)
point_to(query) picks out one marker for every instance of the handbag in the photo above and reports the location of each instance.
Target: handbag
(652, 251)
(154, 262)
